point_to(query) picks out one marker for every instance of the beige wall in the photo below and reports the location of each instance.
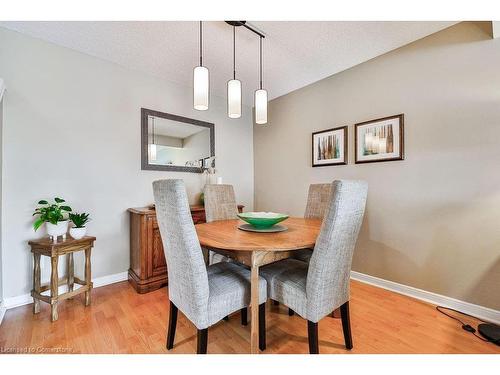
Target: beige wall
(432, 220)
(72, 129)
(1, 197)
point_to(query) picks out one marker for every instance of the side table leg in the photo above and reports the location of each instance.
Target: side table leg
(71, 273)
(88, 277)
(36, 282)
(54, 287)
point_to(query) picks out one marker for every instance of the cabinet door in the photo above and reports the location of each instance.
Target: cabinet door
(158, 265)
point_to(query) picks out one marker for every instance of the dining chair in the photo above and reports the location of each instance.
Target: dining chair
(317, 202)
(205, 295)
(220, 204)
(315, 289)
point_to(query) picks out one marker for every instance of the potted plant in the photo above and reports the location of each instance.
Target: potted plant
(79, 229)
(54, 215)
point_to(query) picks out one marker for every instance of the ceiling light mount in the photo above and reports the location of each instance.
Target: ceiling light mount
(245, 25)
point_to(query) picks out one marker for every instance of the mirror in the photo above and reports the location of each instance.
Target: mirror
(175, 143)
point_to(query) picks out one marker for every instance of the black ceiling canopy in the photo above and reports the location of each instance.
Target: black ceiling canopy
(244, 24)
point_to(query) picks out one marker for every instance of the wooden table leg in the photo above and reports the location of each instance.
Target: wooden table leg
(54, 287)
(88, 277)
(71, 273)
(254, 301)
(206, 255)
(36, 282)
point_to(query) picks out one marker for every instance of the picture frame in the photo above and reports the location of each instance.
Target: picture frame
(329, 147)
(379, 140)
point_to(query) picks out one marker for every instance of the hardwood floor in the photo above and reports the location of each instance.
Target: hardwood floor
(122, 321)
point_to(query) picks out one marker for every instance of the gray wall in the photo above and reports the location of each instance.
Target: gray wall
(72, 129)
(1, 196)
(432, 220)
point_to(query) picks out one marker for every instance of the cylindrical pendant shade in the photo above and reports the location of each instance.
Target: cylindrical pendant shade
(260, 106)
(234, 98)
(152, 152)
(200, 88)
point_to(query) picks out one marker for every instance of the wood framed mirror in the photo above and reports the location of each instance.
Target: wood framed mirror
(175, 143)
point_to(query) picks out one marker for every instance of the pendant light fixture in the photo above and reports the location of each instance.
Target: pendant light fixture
(152, 146)
(234, 87)
(260, 99)
(201, 81)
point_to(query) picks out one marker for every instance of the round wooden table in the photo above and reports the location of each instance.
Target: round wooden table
(257, 249)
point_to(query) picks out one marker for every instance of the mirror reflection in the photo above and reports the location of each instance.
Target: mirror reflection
(176, 143)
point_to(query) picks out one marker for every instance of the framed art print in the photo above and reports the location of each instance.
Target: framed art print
(379, 140)
(329, 147)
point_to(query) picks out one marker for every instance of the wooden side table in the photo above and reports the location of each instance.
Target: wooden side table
(47, 247)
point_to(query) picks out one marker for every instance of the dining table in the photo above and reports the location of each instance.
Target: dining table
(256, 249)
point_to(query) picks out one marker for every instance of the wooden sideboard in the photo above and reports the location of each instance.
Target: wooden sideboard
(148, 268)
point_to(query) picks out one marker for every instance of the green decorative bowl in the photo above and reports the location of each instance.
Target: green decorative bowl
(262, 219)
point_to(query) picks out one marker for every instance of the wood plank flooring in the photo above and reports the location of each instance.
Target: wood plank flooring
(122, 321)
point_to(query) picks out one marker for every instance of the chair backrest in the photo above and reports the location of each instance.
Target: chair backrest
(187, 274)
(329, 271)
(317, 200)
(220, 203)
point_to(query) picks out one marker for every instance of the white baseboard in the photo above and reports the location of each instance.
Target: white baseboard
(110, 279)
(25, 299)
(481, 312)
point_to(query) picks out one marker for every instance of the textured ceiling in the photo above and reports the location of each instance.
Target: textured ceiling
(295, 53)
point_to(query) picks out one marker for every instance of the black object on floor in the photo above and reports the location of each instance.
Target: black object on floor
(491, 332)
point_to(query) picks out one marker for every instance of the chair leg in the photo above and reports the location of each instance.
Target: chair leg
(291, 312)
(312, 333)
(244, 316)
(202, 341)
(346, 324)
(172, 323)
(262, 326)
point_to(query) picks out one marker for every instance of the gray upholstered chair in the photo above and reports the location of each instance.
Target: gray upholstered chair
(220, 204)
(204, 295)
(317, 202)
(314, 290)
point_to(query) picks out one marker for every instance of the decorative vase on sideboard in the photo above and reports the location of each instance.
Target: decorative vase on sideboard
(148, 268)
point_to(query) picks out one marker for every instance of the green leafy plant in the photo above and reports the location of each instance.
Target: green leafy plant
(50, 212)
(79, 219)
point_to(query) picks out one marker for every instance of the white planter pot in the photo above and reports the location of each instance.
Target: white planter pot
(59, 229)
(77, 233)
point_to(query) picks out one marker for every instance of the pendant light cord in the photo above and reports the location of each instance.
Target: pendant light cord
(234, 52)
(260, 39)
(201, 44)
